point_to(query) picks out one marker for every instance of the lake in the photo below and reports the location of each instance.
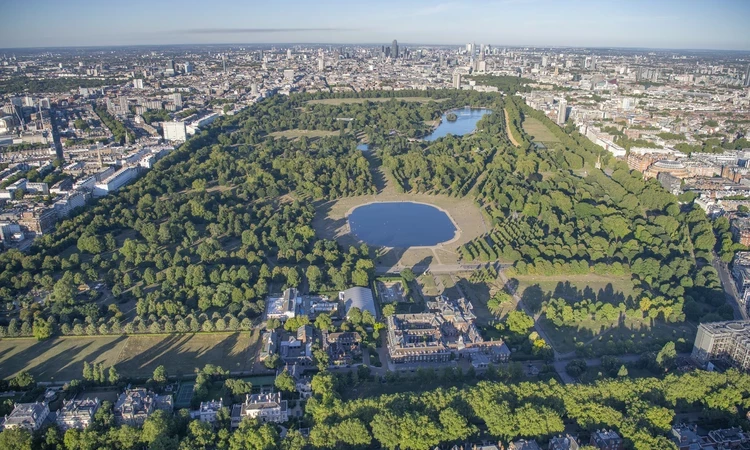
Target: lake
(464, 124)
(401, 224)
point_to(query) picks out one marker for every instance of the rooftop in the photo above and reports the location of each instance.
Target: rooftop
(283, 304)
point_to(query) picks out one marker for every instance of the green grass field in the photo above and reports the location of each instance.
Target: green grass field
(596, 334)
(61, 359)
(342, 101)
(538, 130)
(564, 285)
(534, 289)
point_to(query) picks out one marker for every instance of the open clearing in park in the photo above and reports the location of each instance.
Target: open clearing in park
(596, 334)
(297, 133)
(342, 101)
(573, 287)
(61, 359)
(534, 289)
(538, 130)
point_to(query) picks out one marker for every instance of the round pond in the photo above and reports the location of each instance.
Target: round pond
(401, 224)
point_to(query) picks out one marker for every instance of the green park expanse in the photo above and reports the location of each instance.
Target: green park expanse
(135, 356)
(539, 131)
(343, 101)
(295, 133)
(596, 333)
(231, 215)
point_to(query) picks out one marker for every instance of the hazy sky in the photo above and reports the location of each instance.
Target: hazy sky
(695, 24)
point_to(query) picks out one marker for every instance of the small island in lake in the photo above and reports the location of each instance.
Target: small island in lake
(451, 117)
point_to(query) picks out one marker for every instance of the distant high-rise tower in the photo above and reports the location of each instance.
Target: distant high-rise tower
(545, 60)
(224, 62)
(321, 64)
(457, 80)
(289, 53)
(747, 76)
(177, 99)
(170, 67)
(562, 112)
(394, 49)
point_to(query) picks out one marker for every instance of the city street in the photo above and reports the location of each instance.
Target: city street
(730, 289)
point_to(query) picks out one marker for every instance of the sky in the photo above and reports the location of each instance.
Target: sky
(674, 24)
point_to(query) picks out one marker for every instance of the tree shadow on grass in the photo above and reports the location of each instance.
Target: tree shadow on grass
(327, 227)
(63, 364)
(533, 297)
(181, 356)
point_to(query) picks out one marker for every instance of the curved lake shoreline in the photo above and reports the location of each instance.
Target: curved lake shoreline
(424, 207)
(463, 125)
(331, 222)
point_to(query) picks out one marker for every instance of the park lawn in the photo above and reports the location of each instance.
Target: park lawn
(534, 289)
(478, 293)
(58, 359)
(597, 283)
(427, 281)
(181, 354)
(448, 285)
(62, 358)
(596, 334)
(342, 101)
(540, 132)
(297, 133)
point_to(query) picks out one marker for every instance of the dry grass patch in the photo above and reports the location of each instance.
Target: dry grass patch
(61, 359)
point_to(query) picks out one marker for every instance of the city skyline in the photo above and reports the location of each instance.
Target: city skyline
(669, 24)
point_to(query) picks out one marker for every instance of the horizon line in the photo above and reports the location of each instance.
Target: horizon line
(372, 44)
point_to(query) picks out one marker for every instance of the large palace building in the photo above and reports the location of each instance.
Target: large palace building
(446, 331)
